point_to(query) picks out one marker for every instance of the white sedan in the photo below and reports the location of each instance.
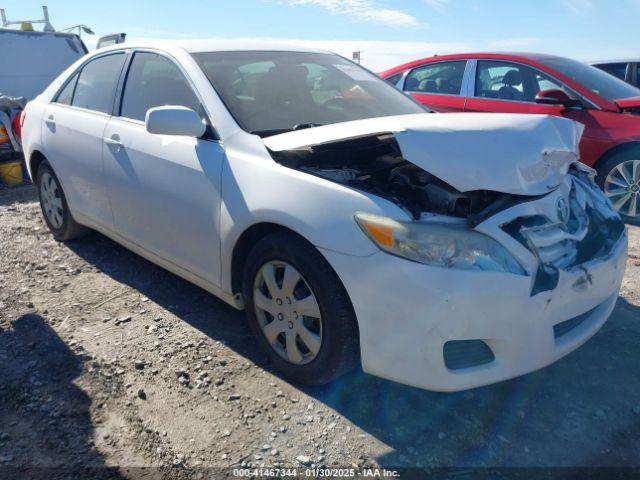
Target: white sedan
(441, 251)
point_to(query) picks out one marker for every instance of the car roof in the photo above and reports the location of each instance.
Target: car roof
(538, 60)
(217, 45)
(615, 60)
(535, 57)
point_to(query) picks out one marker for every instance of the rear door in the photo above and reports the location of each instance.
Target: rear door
(164, 189)
(437, 85)
(72, 131)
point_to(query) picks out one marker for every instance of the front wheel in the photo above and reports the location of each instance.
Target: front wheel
(299, 310)
(54, 206)
(619, 178)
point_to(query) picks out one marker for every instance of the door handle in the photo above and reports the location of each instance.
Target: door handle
(50, 120)
(114, 142)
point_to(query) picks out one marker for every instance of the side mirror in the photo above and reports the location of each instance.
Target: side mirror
(174, 120)
(555, 96)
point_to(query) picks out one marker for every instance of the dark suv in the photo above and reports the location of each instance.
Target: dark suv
(627, 70)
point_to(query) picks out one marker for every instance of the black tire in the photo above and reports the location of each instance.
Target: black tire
(609, 164)
(340, 346)
(69, 229)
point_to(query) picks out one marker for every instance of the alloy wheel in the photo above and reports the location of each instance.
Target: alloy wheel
(622, 187)
(288, 312)
(51, 200)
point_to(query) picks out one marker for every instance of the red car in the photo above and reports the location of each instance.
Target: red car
(544, 84)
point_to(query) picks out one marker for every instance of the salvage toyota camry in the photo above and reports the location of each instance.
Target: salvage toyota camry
(441, 251)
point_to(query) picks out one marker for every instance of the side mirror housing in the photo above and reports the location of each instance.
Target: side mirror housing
(174, 120)
(556, 96)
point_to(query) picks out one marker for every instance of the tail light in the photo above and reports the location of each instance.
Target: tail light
(17, 124)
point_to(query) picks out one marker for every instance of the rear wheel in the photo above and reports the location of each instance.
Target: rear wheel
(299, 310)
(619, 178)
(54, 206)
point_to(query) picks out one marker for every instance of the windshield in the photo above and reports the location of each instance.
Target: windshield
(599, 82)
(274, 92)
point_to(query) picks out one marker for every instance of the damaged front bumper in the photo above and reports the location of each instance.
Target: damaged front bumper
(447, 329)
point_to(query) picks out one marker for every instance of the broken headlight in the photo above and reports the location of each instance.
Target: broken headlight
(438, 244)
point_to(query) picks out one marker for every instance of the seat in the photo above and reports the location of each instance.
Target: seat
(443, 85)
(428, 86)
(282, 95)
(510, 80)
(412, 84)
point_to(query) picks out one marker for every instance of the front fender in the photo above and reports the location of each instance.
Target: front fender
(256, 189)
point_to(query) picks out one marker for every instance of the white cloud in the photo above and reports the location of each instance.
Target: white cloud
(363, 11)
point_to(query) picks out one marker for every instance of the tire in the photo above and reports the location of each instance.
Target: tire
(615, 177)
(55, 209)
(336, 329)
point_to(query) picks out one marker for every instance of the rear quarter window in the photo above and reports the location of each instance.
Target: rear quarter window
(65, 95)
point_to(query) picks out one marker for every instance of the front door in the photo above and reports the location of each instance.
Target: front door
(164, 190)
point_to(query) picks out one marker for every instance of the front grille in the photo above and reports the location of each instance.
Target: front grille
(589, 231)
(460, 354)
(565, 327)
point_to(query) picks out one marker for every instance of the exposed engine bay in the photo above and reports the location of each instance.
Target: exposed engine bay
(374, 163)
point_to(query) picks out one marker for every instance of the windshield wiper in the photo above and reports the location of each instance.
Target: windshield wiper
(302, 126)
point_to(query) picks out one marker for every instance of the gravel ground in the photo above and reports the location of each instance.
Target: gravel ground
(109, 361)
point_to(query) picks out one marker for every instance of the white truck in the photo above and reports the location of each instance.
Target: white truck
(30, 61)
(33, 59)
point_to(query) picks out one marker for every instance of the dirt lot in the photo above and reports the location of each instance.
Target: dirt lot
(108, 360)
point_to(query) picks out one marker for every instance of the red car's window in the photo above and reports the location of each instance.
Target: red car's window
(512, 81)
(443, 78)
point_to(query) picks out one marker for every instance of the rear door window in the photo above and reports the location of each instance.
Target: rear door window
(97, 83)
(154, 81)
(444, 78)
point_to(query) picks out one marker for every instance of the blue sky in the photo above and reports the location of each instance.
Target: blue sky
(387, 32)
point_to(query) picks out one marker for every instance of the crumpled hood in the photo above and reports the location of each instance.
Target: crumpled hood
(510, 153)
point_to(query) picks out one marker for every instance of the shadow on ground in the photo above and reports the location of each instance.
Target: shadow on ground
(577, 412)
(17, 194)
(45, 427)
